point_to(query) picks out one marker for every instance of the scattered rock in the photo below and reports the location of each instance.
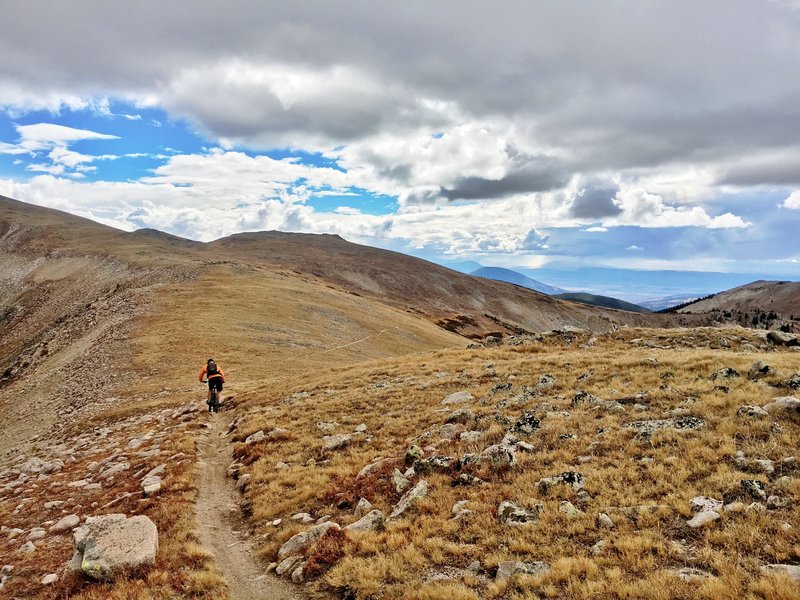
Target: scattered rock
(754, 488)
(399, 482)
(512, 514)
(361, 428)
(777, 502)
(703, 518)
(299, 543)
(461, 415)
(725, 373)
(449, 431)
(27, 548)
(336, 442)
(373, 467)
(37, 533)
(748, 410)
(418, 491)
(278, 434)
(108, 544)
(568, 509)
(526, 424)
(571, 478)
(49, 579)
(509, 568)
(779, 338)
(466, 479)
(303, 517)
(413, 454)
(287, 565)
(152, 485)
(458, 398)
(794, 381)
(471, 437)
(326, 426)
(363, 507)
(434, 463)
(256, 437)
(757, 370)
(684, 423)
(372, 521)
(703, 503)
(65, 524)
(604, 521)
(783, 404)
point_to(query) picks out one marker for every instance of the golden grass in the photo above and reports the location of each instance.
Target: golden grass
(400, 401)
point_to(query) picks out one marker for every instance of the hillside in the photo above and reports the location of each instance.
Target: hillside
(510, 276)
(766, 304)
(340, 355)
(604, 301)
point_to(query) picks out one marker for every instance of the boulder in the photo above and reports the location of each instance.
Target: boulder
(471, 437)
(336, 442)
(748, 410)
(783, 404)
(298, 544)
(568, 508)
(372, 521)
(108, 545)
(509, 568)
(152, 485)
(461, 415)
(373, 467)
(434, 463)
(526, 424)
(794, 381)
(571, 478)
(409, 498)
(754, 488)
(703, 518)
(684, 423)
(66, 523)
(725, 373)
(604, 521)
(757, 370)
(458, 398)
(779, 338)
(326, 426)
(703, 503)
(287, 565)
(399, 481)
(512, 514)
(256, 437)
(362, 508)
(499, 456)
(49, 579)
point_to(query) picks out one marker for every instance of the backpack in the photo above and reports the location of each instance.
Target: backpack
(211, 368)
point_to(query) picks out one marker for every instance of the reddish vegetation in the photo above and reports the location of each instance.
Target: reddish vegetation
(328, 550)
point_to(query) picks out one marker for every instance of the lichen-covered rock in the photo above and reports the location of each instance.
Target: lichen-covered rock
(512, 514)
(399, 481)
(434, 464)
(409, 498)
(256, 437)
(725, 373)
(299, 543)
(702, 503)
(108, 545)
(755, 412)
(336, 442)
(372, 521)
(783, 404)
(572, 479)
(499, 456)
(757, 370)
(526, 424)
(363, 507)
(703, 518)
(754, 488)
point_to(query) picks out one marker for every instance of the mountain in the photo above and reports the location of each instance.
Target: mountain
(509, 276)
(462, 266)
(604, 301)
(767, 304)
(638, 286)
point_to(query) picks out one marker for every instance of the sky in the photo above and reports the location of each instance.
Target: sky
(628, 134)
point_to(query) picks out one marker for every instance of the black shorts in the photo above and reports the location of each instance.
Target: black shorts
(215, 383)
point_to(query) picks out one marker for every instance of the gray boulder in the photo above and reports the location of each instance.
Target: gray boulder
(515, 515)
(298, 544)
(107, 545)
(409, 498)
(372, 521)
(66, 523)
(754, 412)
(458, 398)
(757, 370)
(779, 338)
(783, 404)
(336, 442)
(792, 571)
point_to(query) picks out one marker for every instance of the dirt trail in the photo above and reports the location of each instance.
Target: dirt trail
(220, 525)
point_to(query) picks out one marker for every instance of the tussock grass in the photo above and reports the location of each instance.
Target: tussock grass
(644, 485)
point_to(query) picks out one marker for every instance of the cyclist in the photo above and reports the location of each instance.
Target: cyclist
(215, 378)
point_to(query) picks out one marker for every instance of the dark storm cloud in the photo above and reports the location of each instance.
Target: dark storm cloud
(604, 86)
(531, 174)
(595, 202)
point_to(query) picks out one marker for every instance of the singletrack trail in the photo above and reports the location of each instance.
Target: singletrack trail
(222, 530)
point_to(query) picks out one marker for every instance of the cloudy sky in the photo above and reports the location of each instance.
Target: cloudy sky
(656, 135)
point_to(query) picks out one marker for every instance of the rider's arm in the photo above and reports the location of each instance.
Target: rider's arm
(221, 374)
(202, 372)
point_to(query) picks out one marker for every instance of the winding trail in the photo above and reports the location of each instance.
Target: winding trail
(222, 530)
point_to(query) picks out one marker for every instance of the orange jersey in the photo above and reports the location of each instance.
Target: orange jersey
(219, 373)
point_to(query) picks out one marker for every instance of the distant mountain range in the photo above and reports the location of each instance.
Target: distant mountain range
(509, 276)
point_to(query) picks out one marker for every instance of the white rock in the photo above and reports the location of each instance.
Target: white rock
(361, 428)
(66, 523)
(604, 521)
(298, 544)
(151, 485)
(37, 533)
(458, 398)
(785, 403)
(256, 437)
(336, 442)
(372, 521)
(363, 507)
(703, 518)
(509, 568)
(793, 571)
(49, 579)
(703, 503)
(108, 544)
(420, 490)
(27, 548)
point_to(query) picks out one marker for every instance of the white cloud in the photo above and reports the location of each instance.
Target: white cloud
(596, 229)
(634, 248)
(793, 201)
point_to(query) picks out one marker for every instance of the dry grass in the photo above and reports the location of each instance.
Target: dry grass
(400, 401)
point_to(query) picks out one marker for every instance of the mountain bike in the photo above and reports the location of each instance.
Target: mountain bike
(213, 401)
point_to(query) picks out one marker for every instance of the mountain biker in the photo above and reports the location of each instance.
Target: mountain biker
(215, 377)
